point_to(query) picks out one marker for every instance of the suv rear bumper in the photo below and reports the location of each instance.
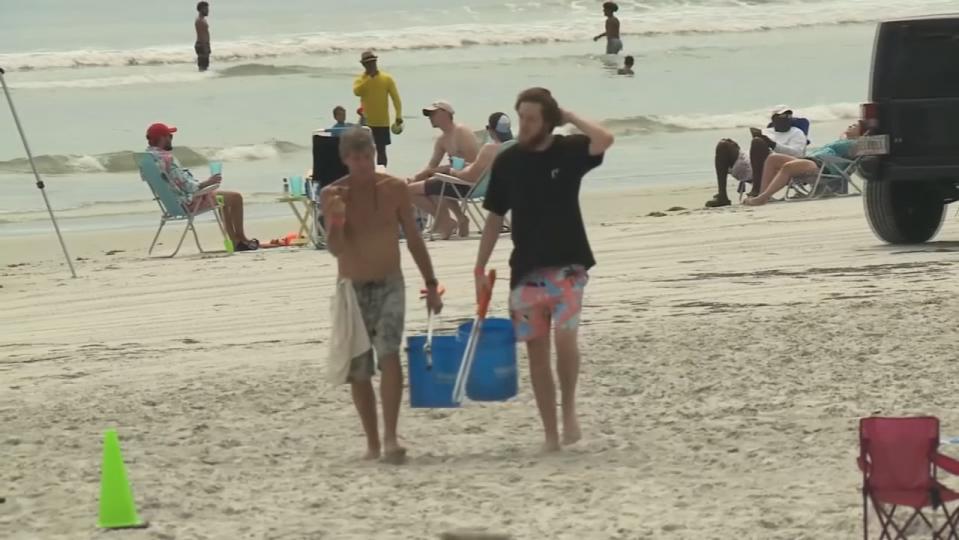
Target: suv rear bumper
(879, 168)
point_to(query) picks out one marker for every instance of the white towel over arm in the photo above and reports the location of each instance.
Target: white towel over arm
(349, 339)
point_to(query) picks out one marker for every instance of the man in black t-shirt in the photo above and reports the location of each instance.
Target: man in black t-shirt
(538, 181)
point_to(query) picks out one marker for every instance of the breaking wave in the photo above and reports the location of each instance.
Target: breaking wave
(114, 162)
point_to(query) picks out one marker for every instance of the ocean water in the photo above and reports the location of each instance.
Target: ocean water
(87, 81)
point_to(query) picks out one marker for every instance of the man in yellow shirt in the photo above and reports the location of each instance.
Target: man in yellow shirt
(373, 88)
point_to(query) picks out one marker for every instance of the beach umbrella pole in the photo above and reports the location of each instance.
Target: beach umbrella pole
(36, 174)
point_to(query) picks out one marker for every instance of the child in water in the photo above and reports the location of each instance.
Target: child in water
(627, 68)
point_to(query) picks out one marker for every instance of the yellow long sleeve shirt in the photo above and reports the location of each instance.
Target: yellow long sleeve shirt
(373, 93)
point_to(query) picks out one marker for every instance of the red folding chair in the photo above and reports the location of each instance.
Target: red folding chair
(899, 460)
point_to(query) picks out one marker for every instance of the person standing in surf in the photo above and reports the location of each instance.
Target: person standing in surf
(202, 46)
(614, 45)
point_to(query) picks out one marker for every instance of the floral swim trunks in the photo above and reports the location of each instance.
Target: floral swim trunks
(547, 295)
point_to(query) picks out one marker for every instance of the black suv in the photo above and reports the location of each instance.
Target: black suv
(911, 154)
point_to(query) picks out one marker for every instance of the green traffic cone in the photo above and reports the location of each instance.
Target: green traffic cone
(117, 509)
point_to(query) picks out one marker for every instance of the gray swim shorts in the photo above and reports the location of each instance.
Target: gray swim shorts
(614, 45)
(383, 304)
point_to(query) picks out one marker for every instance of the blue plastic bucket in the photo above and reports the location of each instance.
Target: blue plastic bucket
(433, 388)
(493, 376)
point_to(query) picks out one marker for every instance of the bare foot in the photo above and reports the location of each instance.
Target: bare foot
(550, 447)
(571, 434)
(464, 228)
(372, 454)
(394, 454)
(445, 228)
(755, 201)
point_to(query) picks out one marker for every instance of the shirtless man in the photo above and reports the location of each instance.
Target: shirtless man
(613, 42)
(202, 46)
(455, 141)
(363, 213)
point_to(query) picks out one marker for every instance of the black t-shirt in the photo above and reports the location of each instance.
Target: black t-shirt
(542, 191)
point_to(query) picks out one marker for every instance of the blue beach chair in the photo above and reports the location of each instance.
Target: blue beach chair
(173, 207)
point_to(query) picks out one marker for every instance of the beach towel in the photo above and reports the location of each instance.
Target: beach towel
(349, 339)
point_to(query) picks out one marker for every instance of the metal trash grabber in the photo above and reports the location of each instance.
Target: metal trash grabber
(459, 388)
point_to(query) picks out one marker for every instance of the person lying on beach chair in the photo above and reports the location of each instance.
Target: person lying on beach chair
(783, 137)
(456, 141)
(499, 131)
(781, 169)
(160, 141)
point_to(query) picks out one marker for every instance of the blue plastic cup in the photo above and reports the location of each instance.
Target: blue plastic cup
(457, 163)
(296, 186)
(216, 167)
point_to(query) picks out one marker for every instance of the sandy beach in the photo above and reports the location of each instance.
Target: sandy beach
(727, 357)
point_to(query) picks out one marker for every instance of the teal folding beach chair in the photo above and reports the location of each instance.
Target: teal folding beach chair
(834, 179)
(173, 207)
(472, 202)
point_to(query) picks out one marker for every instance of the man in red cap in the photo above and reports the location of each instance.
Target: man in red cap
(160, 140)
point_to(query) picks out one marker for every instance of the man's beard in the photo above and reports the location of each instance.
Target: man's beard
(537, 140)
(168, 147)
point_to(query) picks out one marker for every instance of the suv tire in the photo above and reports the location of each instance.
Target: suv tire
(904, 212)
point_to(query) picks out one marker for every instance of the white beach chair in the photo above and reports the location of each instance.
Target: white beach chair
(834, 179)
(471, 204)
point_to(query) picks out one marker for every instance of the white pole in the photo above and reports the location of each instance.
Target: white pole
(40, 186)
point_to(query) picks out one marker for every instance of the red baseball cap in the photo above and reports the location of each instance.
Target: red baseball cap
(159, 130)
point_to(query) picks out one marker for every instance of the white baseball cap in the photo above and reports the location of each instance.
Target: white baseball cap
(438, 106)
(782, 109)
(499, 122)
